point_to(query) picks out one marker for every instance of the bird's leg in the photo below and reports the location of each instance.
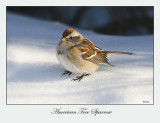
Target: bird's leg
(67, 72)
(81, 77)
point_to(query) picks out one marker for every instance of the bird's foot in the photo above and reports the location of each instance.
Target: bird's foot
(67, 72)
(81, 77)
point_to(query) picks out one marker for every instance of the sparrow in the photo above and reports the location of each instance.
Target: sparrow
(77, 54)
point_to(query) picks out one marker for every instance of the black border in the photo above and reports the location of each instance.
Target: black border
(81, 104)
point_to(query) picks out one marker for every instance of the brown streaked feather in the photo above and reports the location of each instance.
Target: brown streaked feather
(100, 58)
(87, 51)
(90, 44)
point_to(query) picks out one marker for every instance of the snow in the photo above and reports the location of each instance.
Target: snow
(34, 75)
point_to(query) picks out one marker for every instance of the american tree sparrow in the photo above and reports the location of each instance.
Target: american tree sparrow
(77, 54)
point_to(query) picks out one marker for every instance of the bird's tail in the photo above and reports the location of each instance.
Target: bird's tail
(116, 52)
(102, 56)
(108, 53)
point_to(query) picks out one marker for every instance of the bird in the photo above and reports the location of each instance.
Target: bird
(77, 54)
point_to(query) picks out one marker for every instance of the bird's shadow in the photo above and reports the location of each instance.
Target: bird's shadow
(35, 73)
(41, 72)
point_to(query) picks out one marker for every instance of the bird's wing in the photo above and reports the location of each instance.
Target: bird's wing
(91, 45)
(87, 52)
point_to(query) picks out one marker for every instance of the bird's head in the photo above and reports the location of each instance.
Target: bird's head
(72, 36)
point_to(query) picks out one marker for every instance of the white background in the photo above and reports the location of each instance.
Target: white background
(42, 113)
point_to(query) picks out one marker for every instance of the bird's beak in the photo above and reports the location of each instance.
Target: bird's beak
(64, 39)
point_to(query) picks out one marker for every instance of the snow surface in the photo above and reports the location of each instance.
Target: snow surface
(34, 73)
